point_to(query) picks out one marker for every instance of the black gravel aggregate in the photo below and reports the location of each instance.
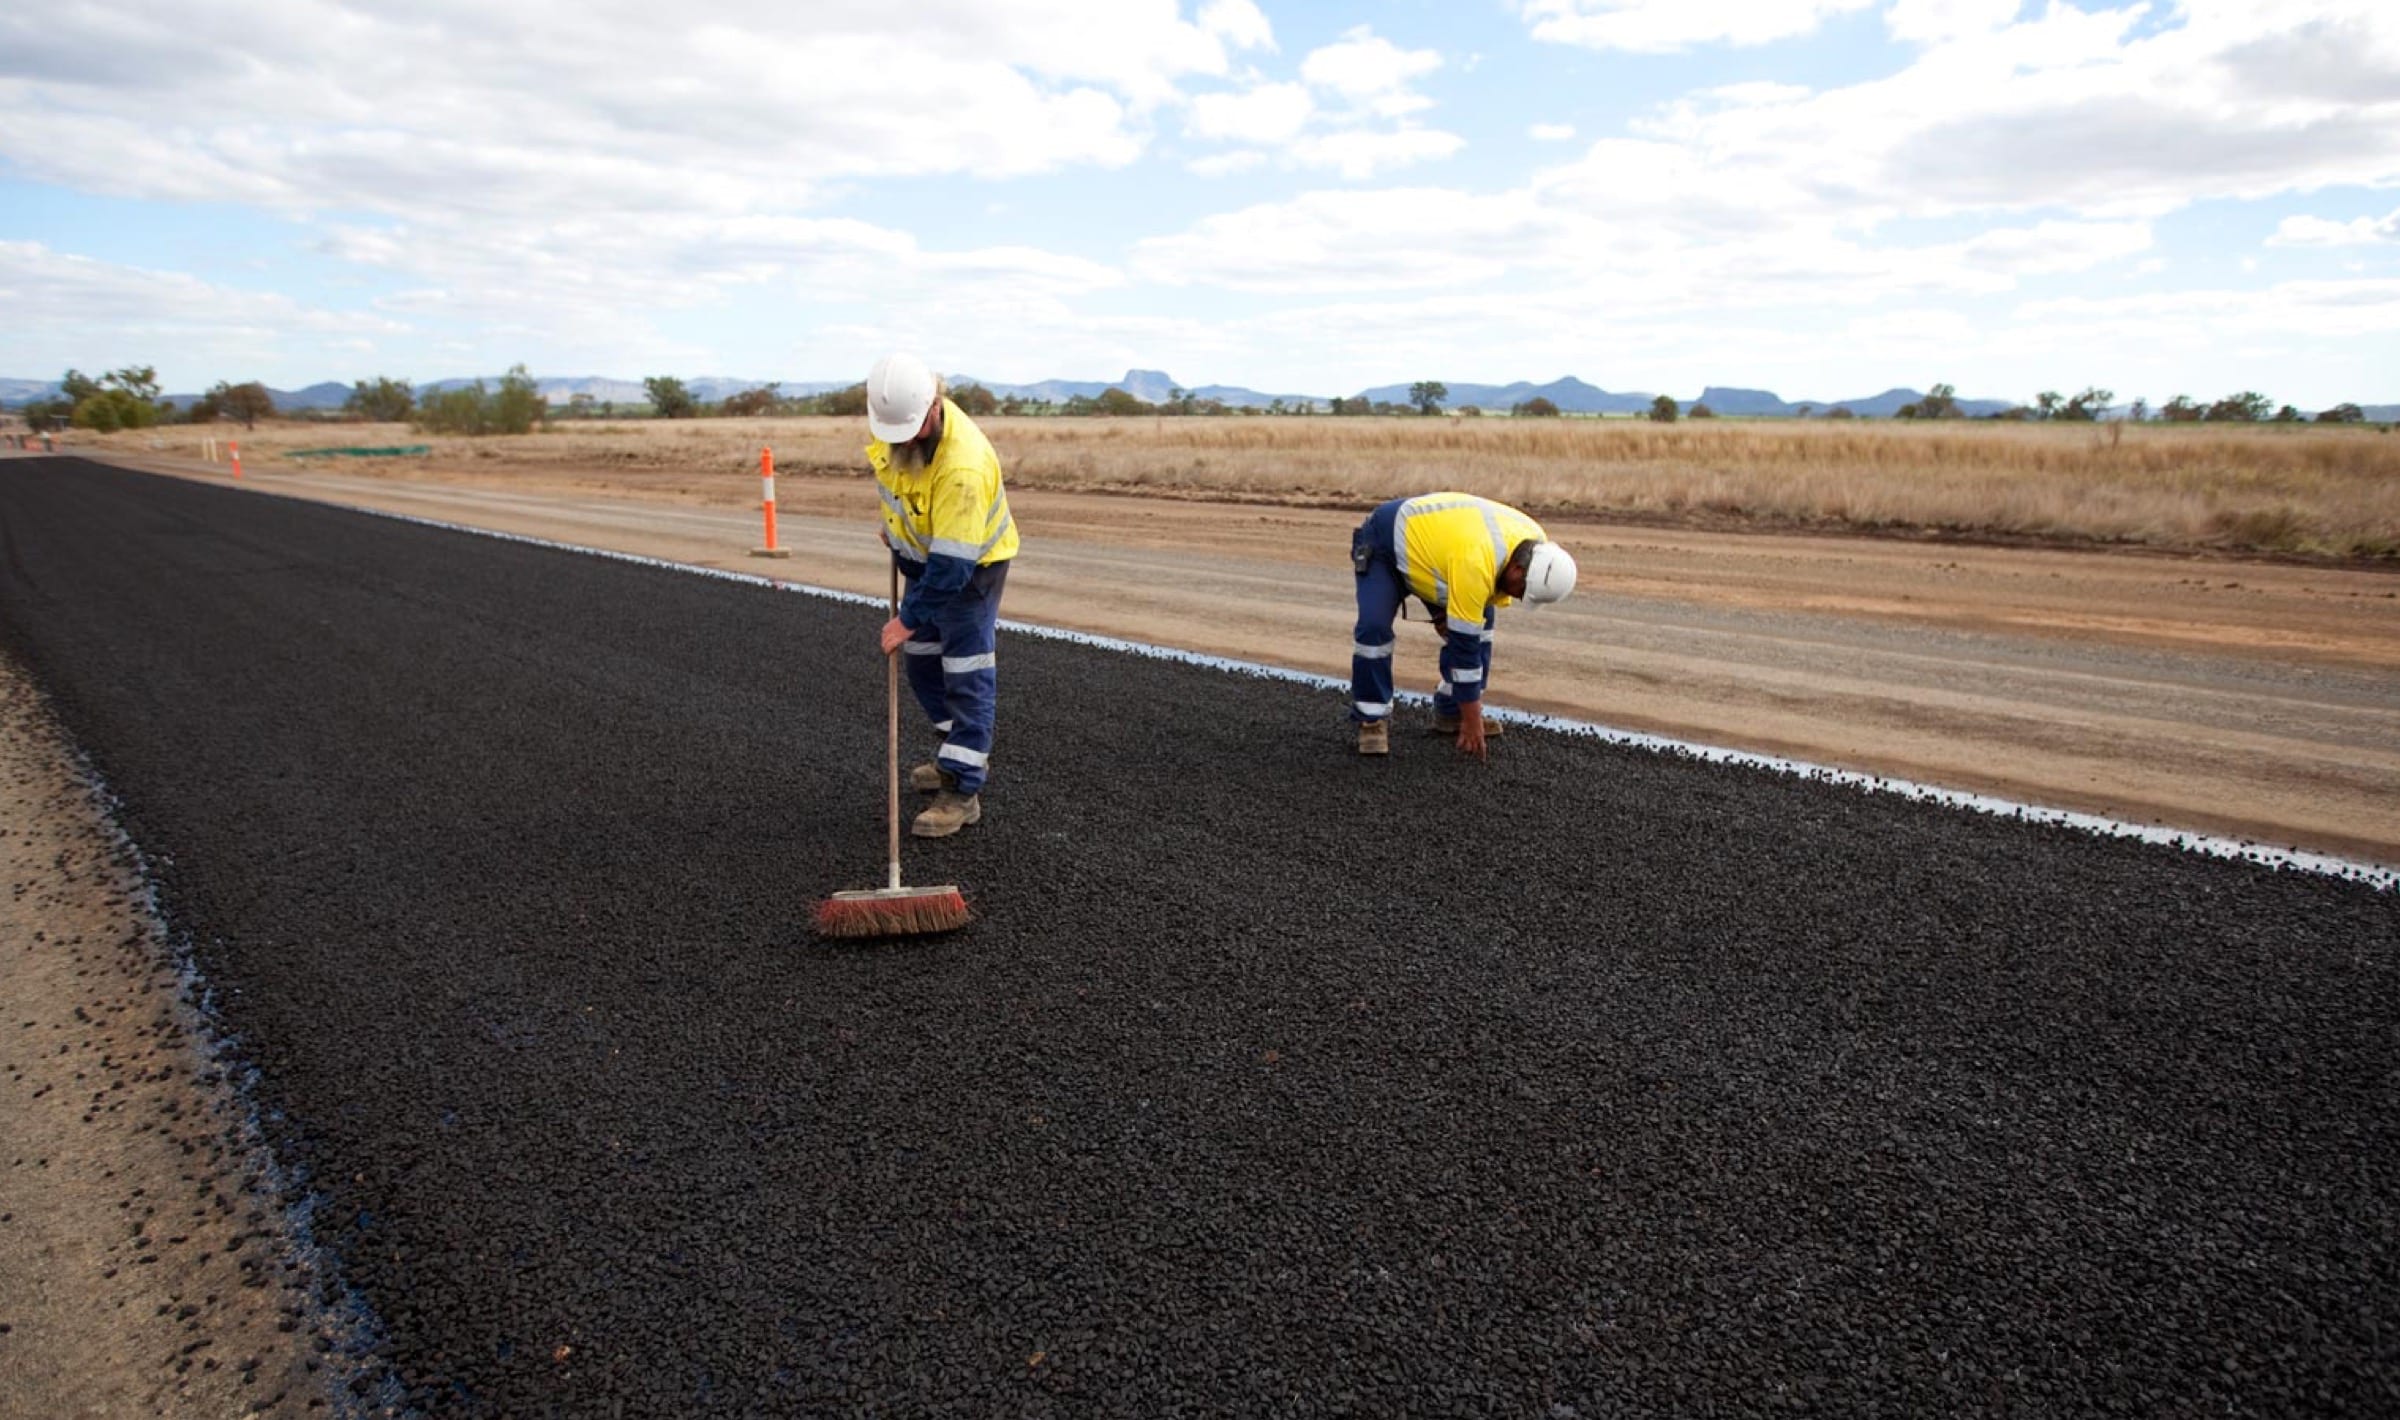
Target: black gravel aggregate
(1270, 1081)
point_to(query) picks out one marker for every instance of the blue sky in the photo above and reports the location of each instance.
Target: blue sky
(1825, 198)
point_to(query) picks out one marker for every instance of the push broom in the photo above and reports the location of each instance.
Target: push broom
(892, 910)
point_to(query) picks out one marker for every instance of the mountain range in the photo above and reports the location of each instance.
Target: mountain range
(1571, 395)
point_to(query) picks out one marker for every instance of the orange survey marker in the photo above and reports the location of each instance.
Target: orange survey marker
(766, 478)
(234, 447)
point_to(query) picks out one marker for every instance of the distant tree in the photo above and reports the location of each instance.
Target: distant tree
(749, 404)
(1120, 403)
(518, 404)
(1941, 402)
(2339, 414)
(1906, 411)
(1538, 407)
(849, 403)
(2287, 415)
(1841, 411)
(2180, 410)
(580, 404)
(111, 410)
(2139, 410)
(2248, 407)
(44, 415)
(669, 399)
(975, 400)
(1472, 411)
(1427, 396)
(1806, 410)
(2087, 405)
(382, 400)
(2047, 404)
(247, 402)
(462, 410)
(120, 399)
(1663, 410)
(1701, 411)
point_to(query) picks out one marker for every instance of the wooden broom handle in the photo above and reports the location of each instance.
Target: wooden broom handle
(892, 726)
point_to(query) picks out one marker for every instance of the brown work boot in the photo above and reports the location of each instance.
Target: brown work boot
(927, 777)
(1448, 725)
(949, 812)
(1375, 737)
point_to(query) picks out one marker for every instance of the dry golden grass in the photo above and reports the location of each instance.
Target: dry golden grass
(2304, 491)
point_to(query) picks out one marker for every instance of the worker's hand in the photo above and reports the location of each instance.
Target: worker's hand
(1470, 729)
(1441, 626)
(893, 634)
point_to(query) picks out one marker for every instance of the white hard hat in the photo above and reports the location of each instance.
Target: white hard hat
(1549, 574)
(899, 391)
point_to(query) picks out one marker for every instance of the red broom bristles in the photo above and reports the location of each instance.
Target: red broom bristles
(905, 912)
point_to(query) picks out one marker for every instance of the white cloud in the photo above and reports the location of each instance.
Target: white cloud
(2050, 248)
(2324, 232)
(1357, 153)
(1941, 21)
(2303, 309)
(1348, 112)
(307, 104)
(1551, 132)
(72, 311)
(1238, 23)
(1664, 26)
(1371, 72)
(1218, 165)
(2070, 110)
(1324, 242)
(1267, 114)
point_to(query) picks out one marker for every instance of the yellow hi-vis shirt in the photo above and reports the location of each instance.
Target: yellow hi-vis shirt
(1451, 547)
(955, 506)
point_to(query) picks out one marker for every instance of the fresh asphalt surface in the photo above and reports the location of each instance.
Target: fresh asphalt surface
(1270, 1080)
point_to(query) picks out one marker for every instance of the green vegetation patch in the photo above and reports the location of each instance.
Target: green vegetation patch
(385, 451)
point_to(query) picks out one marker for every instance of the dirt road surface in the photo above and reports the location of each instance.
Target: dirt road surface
(2254, 700)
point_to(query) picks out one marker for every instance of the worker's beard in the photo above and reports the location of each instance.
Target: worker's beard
(912, 455)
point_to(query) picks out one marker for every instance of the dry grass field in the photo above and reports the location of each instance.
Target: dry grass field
(2303, 491)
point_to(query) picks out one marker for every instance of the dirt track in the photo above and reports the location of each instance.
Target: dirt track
(2254, 700)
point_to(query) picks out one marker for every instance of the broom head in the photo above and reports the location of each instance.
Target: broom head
(892, 912)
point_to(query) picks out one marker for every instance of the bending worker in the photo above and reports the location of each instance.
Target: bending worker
(1464, 557)
(945, 518)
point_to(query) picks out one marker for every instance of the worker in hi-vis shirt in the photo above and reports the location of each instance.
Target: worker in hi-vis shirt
(946, 520)
(1464, 557)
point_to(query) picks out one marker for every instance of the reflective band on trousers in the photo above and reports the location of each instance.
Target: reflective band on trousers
(1372, 653)
(924, 648)
(1469, 677)
(975, 757)
(961, 665)
(1373, 710)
